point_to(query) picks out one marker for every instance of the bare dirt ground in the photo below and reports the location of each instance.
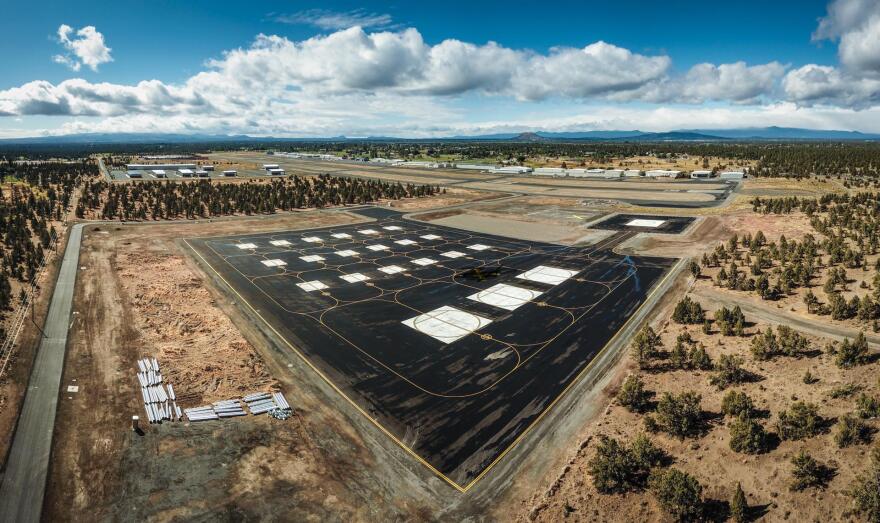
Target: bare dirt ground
(452, 196)
(139, 294)
(764, 477)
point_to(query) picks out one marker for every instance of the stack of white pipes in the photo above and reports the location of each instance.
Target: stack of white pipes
(201, 413)
(159, 404)
(260, 402)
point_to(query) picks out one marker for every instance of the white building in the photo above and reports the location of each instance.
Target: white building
(701, 174)
(186, 173)
(158, 173)
(549, 171)
(270, 166)
(474, 166)
(201, 173)
(276, 172)
(662, 173)
(632, 173)
(733, 175)
(230, 173)
(208, 167)
(577, 173)
(511, 169)
(161, 166)
(135, 174)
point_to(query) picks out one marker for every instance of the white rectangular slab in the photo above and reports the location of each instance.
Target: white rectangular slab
(311, 258)
(503, 296)
(273, 263)
(341, 235)
(378, 247)
(346, 253)
(312, 239)
(311, 286)
(431, 237)
(368, 231)
(280, 243)
(640, 222)
(452, 254)
(392, 228)
(424, 261)
(405, 242)
(392, 269)
(546, 274)
(478, 247)
(447, 324)
(244, 246)
(354, 277)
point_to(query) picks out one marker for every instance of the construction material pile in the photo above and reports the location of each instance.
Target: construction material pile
(159, 402)
(257, 403)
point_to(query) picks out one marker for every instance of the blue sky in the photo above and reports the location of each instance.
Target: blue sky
(560, 65)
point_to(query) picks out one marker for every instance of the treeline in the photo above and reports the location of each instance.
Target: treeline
(33, 195)
(205, 198)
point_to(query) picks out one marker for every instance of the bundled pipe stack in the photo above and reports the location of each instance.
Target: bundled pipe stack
(159, 403)
(201, 413)
(217, 410)
(260, 402)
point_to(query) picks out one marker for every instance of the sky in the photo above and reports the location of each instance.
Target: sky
(419, 69)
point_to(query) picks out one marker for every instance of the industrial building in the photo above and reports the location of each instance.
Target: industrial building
(186, 173)
(230, 173)
(135, 174)
(201, 173)
(474, 166)
(277, 171)
(511, 169)
(701, 174)
(159, 173)
(270, 166)
(549, 171)
(208, 167)
(632, 173)
(162, 166)
(662, 173)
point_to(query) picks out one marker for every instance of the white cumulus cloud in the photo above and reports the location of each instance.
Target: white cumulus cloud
(84, 47)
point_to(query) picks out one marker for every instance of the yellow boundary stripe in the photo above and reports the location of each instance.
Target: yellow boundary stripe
(392, 436)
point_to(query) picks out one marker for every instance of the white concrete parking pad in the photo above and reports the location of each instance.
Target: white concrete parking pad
(392, 228)
(311, 258)
(273, 263)
(280, 243)
(244, 246)
(548, 275)
(310, 286)
(312, 239)
(405, 242)
(368, 231)
(478, 247)
(447, 324)
(640, 222)
(341, 235)
(424, 261)
(354, 277)
(378, 247)
(346, 253)
(392, 269)
(503, 296)
(431, 237)
(452, 254)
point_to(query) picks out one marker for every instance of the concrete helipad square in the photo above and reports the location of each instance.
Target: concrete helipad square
(639, 222)
(545, 274)
(312, 239)
(424, 261)
(392, 228)
(311, 258)
(244, 246)
(431, 237)
(346, 253)
(280, 243)
(447, 324)
(273, 263)
(508, 297)
(478, 247)
(452, 254)
(405, 242)
(378, 247)
(341, 235)
(392, 269)
(310, 286)
(368, 231)
(354, 277)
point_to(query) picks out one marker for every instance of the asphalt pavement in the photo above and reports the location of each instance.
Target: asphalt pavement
(24, 480)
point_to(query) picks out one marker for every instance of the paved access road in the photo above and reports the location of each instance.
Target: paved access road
(24, 481)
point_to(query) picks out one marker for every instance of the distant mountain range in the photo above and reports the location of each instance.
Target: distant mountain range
(681, 135)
